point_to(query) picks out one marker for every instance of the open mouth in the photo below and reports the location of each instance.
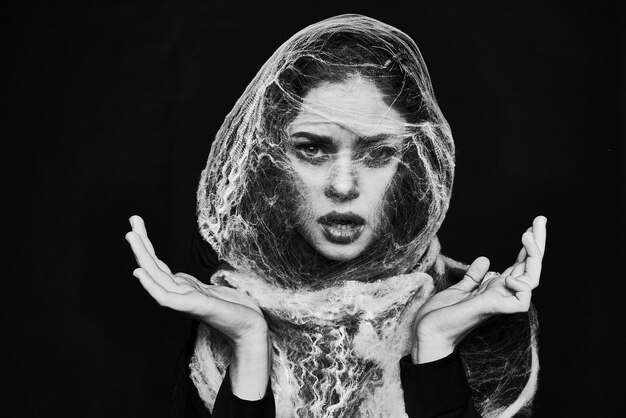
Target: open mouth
(341, 228)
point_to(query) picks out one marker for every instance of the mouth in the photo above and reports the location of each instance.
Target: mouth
(341, 228)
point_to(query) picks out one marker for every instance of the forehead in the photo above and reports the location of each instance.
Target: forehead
(355, 105)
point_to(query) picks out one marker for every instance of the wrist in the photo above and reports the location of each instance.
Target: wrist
(251, 349)
(250, 367)
(428, 347)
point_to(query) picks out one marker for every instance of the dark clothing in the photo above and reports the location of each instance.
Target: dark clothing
(228, 405)
(436, 389)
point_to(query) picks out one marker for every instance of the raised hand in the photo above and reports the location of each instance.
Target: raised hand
(231, 312)
(446, 318)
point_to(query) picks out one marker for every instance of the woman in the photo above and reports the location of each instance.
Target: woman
(323, 192)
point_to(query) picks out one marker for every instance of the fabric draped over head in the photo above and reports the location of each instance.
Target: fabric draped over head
(248, 193)
(249, 209)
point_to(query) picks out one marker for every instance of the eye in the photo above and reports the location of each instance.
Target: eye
(310, 150)
(379, 156)
(382, 153)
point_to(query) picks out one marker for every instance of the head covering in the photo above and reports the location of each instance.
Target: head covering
(247, 205)
(339, 328)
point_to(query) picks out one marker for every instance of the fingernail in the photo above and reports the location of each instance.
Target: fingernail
(130, 220)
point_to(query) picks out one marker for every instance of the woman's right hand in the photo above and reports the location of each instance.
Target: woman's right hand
(229, 311)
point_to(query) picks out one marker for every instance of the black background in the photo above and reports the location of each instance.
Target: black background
(111, 111)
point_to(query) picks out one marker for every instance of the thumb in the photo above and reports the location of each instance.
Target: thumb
(474, 274)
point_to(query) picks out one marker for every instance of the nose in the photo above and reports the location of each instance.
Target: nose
(342, 184)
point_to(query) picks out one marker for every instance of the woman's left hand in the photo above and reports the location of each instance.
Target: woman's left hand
(447, 317)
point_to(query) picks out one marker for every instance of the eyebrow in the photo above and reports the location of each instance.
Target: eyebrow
(321, 139)
(327, 140)
(368, 140)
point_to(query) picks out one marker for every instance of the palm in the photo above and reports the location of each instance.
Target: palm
(452, 313)
(450, 310)
(229, 311)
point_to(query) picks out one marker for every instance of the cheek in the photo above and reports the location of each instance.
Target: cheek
(381, 179)
(308, 179)
(305, 187)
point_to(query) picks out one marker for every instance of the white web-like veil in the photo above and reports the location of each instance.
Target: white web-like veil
(247, 174)
(249, 210)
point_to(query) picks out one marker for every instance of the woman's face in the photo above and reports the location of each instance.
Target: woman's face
(344, 146)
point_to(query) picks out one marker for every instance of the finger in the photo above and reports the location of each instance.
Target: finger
(474, 274)
(187, 276)
(508, 271)
(518, 269)
(532, 266)
(146, 261)
(517, 284)
(138, 225)
(522, 290)
(144, 258)
(522, 253)
(188, 279)
(221, 297)
(539, 231)
(514, 270)
(155, 290)
(159, 293)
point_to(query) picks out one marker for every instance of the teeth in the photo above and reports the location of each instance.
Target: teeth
(342, 226)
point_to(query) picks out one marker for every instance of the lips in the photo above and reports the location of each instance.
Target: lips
(341, 228)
